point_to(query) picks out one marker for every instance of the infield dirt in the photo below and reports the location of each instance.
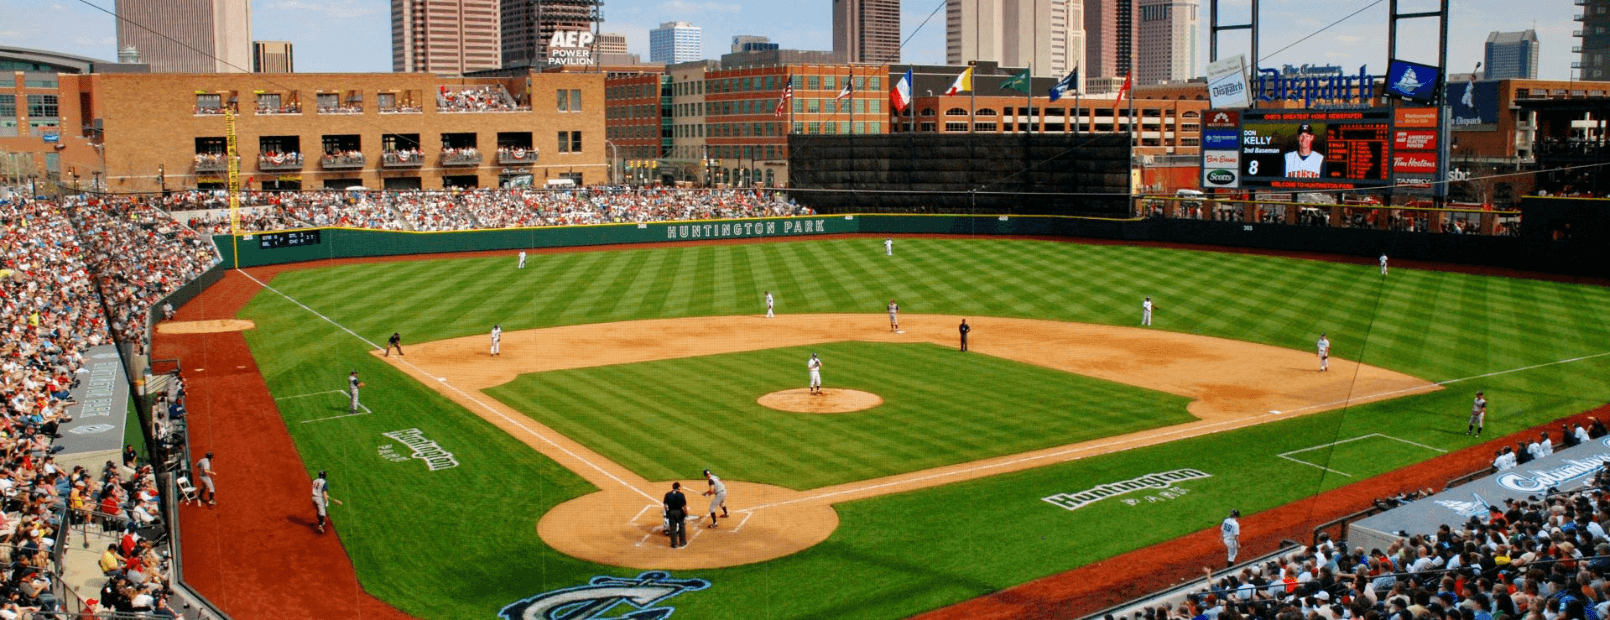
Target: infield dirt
(1233, 384)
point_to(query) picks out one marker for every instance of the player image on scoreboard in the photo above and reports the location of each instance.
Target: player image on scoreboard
(1289, 150)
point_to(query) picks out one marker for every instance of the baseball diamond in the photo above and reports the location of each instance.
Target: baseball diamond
(625, 369)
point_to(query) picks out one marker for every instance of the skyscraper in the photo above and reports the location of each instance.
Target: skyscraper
(1166, 37)
(1511, 55)
(272, 57)
(528, 26)
(191, 36)
(1110, 37)
(867, 31)
(675, 42)
(1047, 35)
(611, 43)
(447, 37)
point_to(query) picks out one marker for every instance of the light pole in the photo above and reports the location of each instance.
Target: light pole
(615, 157)
(33, 185)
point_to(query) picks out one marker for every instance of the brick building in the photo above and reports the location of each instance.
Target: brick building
(334, 130)
(638, 124)
(43, 135)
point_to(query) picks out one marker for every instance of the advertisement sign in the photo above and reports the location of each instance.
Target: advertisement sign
(570, 47)
(1475, 106)
(1221, 139)
(1227, 83)
(1415, 163)
(1316, 150)
(1221, 169)
(1415, 148)
(1414, 140)
(1412, 81)
(1221, 119)
(1414, 118)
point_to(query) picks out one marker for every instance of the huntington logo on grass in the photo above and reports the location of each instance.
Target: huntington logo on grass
(1075, 501)
(603, 594)
(424, 449)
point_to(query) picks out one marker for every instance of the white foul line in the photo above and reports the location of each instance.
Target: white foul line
(466, 395)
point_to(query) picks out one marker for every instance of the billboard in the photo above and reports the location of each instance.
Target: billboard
(570, 47)
(1475, 106)
(1227, 82)
(1316, 150)
(1412, 81)
(1416, 145)
(1221, 169)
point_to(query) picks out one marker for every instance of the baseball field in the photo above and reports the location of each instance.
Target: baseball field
(477, 485)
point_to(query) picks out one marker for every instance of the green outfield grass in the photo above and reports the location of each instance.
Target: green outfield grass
(460, 542)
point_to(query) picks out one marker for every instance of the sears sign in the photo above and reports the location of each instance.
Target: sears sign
(1221, 169)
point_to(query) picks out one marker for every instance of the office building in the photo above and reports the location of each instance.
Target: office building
(1109, 38)
(867, 31)
(675, 42)
(1166, 38)
(611, 43)
(445, 37)
(1511, 55)
(188, 36)
(1047, 35)
(752, 43)
(527, 26)
(1594, 30)
(272, 57)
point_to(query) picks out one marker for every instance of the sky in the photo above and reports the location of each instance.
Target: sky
(355, 35)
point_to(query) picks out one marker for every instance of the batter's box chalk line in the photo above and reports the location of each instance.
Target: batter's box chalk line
(1287, 455)
(365, 408)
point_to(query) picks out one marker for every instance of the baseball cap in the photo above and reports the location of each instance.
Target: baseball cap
(1305, 128)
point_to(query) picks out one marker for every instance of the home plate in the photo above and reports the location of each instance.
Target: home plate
(1275, 411)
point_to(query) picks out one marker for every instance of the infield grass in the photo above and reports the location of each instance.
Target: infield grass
(461, 542)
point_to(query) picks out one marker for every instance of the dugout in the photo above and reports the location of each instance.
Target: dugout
(1013, 174)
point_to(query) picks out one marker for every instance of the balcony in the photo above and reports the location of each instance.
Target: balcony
(402, 158)
(461, 157)
(211, 162)
(1580, 2)
(1576, 33)
(1576, 49)
(279, 162)
(1579, 17)
(514, 156)
(342, 161)
(294, 108)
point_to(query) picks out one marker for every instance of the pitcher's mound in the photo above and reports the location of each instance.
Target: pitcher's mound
(205, 327)
(831, 400)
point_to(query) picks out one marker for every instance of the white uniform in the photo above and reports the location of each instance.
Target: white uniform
(815, 366)
(1478, 414)
(320, 487)
(894, 315)
(522, 259)
(888, 247)
(1146, 312)
(1300, 167)
(1324, 353)
(497, 339)
(769, 303)
(1383, 264)
(718, 499)
(352, 388)
(1230, 531)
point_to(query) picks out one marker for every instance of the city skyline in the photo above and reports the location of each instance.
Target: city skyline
(354, 35)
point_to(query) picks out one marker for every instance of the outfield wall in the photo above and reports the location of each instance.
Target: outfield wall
(1579, 254)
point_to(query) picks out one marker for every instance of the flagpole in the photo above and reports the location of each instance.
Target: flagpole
(852, 100)
(1135, 134)
(972, 97)
(1029, 95)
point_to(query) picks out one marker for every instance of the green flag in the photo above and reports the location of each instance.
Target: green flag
(1019, 82)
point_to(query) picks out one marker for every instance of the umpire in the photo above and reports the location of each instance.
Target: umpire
(676, 515)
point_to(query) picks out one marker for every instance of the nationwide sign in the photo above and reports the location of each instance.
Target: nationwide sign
(570, 47)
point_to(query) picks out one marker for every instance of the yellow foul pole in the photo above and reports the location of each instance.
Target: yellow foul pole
(232, 157)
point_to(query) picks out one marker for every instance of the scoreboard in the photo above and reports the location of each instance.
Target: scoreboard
(1353, 149)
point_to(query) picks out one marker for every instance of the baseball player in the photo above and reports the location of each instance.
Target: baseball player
(815, 366)
(394, 341)
(522, 260)
(964, 329)
(205, 473)
(1230, 530)
(719, 492)
(894, 315)
(1478, 413)
(769, 303)
(321, 498)
(1324, 353)
(1383, 263)
(1146, 312)
(888, 247)
(497, 339)
(352, 388)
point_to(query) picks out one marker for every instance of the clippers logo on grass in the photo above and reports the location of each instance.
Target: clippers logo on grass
(424, 449)
(1075, 501)
(603, 594)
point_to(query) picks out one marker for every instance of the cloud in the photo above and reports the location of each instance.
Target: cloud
(680, 6)
(330, 9)
(1347, 39)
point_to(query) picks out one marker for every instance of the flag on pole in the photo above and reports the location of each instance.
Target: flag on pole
(963, 83)
(900, 97)
(1019, 82)
(782, 102)
(1068, 83)
(1127, 82)
(849, 88)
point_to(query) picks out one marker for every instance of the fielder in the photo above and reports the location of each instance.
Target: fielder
(1146, 312)
(522, 260)
(769, 303)
(352, 388)
(1230, 530)
(719, 491)
(894, 315)
(1324, 353)
(1478, 413)
(497, 339)
(815, 366)
(321, 498)
(395, 341)
(1383, 263)
(888, 247)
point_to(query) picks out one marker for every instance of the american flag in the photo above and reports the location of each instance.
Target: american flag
(782, 102)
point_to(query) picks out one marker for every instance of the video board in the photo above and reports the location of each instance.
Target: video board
(1316, 149)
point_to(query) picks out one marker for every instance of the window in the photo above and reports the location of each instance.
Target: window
(209, 102)
(575, 100)
(268, 102)
(387, 101)
(569, 142)
(8, 106)
(955, 112)
(42, 106)
(955, 127)
(874, 84)
(813, 82)
(827, 82)
(327, 101)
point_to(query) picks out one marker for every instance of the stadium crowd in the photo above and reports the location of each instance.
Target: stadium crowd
(1538, 558)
